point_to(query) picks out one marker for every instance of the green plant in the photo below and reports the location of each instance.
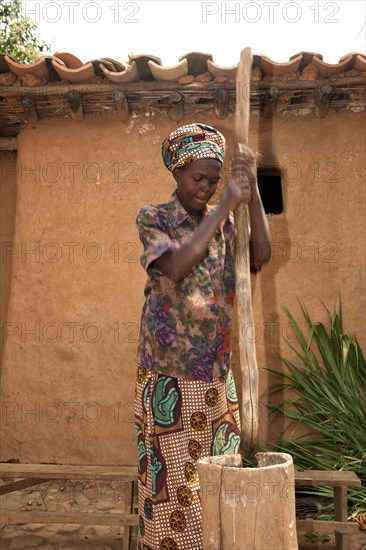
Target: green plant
(312, 537)
(18, 33)
(128, 61)
(328, 378)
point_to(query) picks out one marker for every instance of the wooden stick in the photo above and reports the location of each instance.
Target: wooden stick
(352, 83)
(248, 362)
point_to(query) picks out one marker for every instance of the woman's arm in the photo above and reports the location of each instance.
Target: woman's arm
(260, 238)
(242, 186)
(177, 264)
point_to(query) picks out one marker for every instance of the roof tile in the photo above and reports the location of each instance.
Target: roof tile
(80, 75)
(38, 68)
(130, 74)
(145, 67)
(168, 73)
(272, 68)
(327, 70)
(347, 82)
(360, 63)
(118, 66)
(197, 62)
(96, 65)
(70, 60)
(216, 70)
(306, 59)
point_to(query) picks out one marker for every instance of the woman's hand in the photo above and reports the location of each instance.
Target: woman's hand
(242, 184)
(243, 187)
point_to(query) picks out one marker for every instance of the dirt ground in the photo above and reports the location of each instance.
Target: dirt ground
(107, 497)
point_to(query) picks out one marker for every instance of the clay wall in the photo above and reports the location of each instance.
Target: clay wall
(72, 285)
(8, 187)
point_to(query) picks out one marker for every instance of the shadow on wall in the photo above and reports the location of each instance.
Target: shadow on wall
(269, 293)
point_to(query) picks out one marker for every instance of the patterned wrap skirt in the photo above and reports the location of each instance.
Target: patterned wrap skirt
(177, 422)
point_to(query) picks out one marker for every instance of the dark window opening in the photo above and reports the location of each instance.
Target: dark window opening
(296, 100)
(270, 189)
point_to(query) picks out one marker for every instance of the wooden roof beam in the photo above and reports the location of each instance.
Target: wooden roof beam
(270, 102)
(76, 105)
(141, 88)
(30, 107)
(121, 103)
(176, 105)
(221, 102)
(324, 97)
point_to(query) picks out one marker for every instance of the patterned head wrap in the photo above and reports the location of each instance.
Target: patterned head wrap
(192, 142)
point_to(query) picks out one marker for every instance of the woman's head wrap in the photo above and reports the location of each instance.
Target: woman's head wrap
(192, 142)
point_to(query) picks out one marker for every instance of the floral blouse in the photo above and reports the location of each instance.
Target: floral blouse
(185, 325)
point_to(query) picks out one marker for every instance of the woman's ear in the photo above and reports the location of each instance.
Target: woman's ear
(176, 174)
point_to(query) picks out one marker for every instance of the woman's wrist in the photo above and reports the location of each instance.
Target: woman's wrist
(256, 200)
(223, 210)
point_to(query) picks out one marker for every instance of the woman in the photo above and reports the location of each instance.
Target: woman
(186, 405)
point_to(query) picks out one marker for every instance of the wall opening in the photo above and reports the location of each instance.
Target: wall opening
(270, 189)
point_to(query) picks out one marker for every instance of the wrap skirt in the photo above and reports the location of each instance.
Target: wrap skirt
(179, 421)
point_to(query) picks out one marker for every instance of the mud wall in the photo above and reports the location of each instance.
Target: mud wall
(8, 187)
(72, 285)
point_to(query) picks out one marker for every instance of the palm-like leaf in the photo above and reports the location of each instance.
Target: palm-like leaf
(328, 375)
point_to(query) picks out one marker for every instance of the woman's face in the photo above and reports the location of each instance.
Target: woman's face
(196, 184)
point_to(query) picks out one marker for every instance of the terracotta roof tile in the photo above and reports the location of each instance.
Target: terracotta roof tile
(96, 65)
(306, 59)
(197, 62)
(216, 70)
(298, 86)
(351, 55)
(272, 68)
(168, 73)
(143, 68)
(327, 70)
(70, 60)
(360, 63)
(38, 68)
(126, 76)
(118, 66)
(146, 67)
(80, 75)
